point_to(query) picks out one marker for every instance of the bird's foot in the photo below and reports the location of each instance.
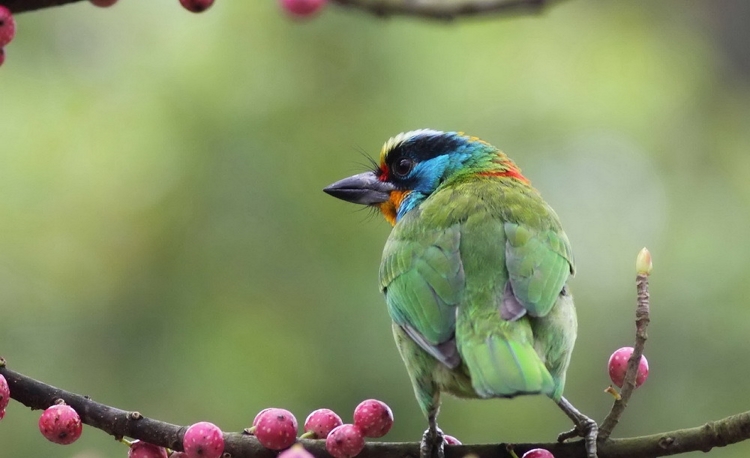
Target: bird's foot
(585, 427)
(432, 445)
(588, 430)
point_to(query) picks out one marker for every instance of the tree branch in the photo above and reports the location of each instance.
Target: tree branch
(19, 6)
(120, 423)
(428, 9)
(446, 11)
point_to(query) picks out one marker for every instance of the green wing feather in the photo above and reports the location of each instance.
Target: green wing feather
(423, 280)
(539, 263)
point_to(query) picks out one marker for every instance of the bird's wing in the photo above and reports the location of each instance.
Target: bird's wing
(539, 263)
(423, 278)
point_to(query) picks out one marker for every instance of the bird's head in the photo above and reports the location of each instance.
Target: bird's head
(414, 164)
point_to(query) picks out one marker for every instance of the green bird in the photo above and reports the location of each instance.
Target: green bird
(474, 274)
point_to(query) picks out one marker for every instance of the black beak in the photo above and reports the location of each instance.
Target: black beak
(364, 189)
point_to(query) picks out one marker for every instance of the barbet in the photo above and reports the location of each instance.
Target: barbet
(474, 274)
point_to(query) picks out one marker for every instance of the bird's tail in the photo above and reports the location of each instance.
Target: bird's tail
(504, 363)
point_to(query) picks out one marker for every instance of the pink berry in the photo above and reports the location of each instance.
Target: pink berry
(450, 440)
(4, 388)
(140, 449)
(178, 455)
(538, 453)
(302, 8)
(345, 441)
(103, 3)
(373, 417)
(321, 422)
(297, 451)
(276, 428)
(197, 6)
(61, 424)
(618, 365)
(203, 440)
(7, 26)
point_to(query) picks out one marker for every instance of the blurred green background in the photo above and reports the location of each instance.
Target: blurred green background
(165, 245)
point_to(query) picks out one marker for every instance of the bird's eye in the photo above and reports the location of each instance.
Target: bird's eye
(402, 167)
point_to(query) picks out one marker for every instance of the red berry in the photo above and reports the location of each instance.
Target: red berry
(373, 417)
(61, 424)
(618, 365)
(103, 3)
(538, 453)
(178, 455)
(276, 428)
(450, 440)
(140, 449)
(197, 6)
(321, 422)
(297, 451)
(7, 26)
(345, 441)
(203, 440)
(302, 7)
(4, 388)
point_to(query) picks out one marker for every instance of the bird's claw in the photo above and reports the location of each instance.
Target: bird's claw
(588, 430)
(432, 445)
(585, 427)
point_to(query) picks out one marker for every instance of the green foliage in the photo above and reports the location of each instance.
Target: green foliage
(166, 246)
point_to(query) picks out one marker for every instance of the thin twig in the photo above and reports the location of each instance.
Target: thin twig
(642, 319)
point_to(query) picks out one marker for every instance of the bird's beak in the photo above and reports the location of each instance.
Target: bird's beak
(364, 189)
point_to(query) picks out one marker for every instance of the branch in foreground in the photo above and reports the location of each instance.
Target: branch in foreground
(446, 11)
(120, 423)
(19, 6)
(428, 9)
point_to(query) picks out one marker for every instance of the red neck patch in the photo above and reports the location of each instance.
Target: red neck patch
(510, 172)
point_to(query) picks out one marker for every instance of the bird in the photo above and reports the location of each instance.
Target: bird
(474, 274)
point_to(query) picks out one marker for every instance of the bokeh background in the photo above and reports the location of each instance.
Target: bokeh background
(165, 245)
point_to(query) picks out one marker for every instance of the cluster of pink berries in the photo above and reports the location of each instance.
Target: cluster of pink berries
(8, 23)
(296, 8)
(276, 429)
(60, 423)
(201, 440)
(618, 365)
